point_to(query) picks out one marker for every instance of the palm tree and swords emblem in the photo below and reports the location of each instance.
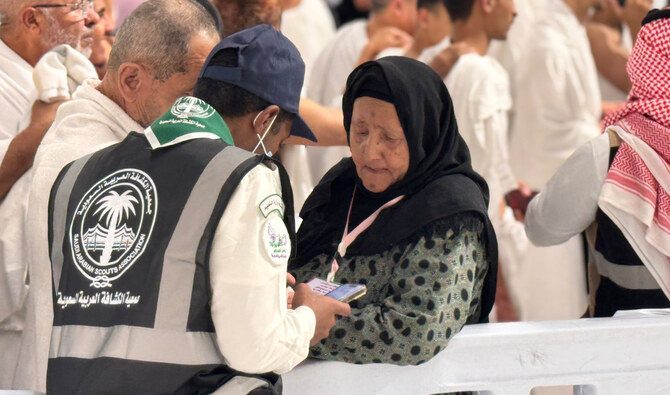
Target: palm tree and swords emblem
(115, 207)
(112, 225)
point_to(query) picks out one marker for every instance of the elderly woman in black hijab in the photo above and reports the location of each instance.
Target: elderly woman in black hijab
(406, 215)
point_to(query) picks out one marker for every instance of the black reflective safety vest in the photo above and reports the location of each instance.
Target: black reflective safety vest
(130, 231)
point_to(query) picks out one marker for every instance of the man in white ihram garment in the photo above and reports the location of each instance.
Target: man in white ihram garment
(480, 89)
(431, 35)
(558, 108)
(390, 24)
(27, 32)
(310, 27)
(130, 97)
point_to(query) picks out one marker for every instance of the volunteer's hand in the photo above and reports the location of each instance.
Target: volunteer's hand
(290, 280)
(325, 309)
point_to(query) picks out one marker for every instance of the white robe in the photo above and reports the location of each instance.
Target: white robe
(480, 90)
(310, 26)
(17, 94)
(54, 77)
(425, 56)
(507, 51)
(557, 96)
(326, 86)
(331, 69)
(89, 122)
(557, 110)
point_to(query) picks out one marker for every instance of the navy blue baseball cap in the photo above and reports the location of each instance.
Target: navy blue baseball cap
(269, 66)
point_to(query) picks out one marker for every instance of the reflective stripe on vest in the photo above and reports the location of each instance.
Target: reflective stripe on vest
(626, 276)
(59, 216)
(136, 343)
(176, 284)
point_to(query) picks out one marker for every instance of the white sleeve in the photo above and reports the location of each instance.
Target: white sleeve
(569, 202)
(256, 333)
(496, 133)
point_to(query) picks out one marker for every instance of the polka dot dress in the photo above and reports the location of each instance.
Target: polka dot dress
(419, 295)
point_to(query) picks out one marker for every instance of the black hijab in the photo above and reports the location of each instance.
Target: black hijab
(439, 183)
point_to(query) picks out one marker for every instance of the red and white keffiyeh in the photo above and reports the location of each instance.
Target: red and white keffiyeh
(635, 195)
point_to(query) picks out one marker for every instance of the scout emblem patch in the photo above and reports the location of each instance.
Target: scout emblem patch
(188, 118)
(276, 240)
(112, 225)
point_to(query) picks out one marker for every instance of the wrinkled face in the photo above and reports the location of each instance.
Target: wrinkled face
(378, 144)
(158, 96)
(500, 19)
(65, 25)
(102, 36)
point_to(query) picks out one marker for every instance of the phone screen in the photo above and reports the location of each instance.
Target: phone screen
(344, 291)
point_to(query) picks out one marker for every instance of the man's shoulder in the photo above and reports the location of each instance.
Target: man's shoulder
(482, 84)
(555, 32)
(474, 71)
(351, 35)
(263, 171)
(90, 119)
(355, 27)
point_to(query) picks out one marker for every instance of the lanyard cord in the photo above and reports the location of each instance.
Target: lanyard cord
(348, 238)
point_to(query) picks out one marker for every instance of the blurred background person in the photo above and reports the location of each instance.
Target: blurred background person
(28, 30)
(346, 11)
(557, 109)
(612, 29)
(433, 28)
(390, 24)
(615, 188)
(103, 35)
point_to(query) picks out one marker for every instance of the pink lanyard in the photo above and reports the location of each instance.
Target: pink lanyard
(348, 238)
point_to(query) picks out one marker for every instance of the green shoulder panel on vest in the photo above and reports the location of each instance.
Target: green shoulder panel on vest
(189, 118)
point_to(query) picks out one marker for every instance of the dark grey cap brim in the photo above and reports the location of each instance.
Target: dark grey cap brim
(301, 129)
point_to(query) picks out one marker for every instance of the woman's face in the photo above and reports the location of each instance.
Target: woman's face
(378, 145)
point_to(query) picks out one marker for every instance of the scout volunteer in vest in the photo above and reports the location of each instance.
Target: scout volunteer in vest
(169, 249)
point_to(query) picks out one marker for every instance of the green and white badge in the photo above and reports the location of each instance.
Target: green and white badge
(189, 118)
(276, 240)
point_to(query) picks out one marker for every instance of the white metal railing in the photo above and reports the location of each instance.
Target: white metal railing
(628, 354)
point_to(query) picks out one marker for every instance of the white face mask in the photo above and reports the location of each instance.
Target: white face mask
(260, 138)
